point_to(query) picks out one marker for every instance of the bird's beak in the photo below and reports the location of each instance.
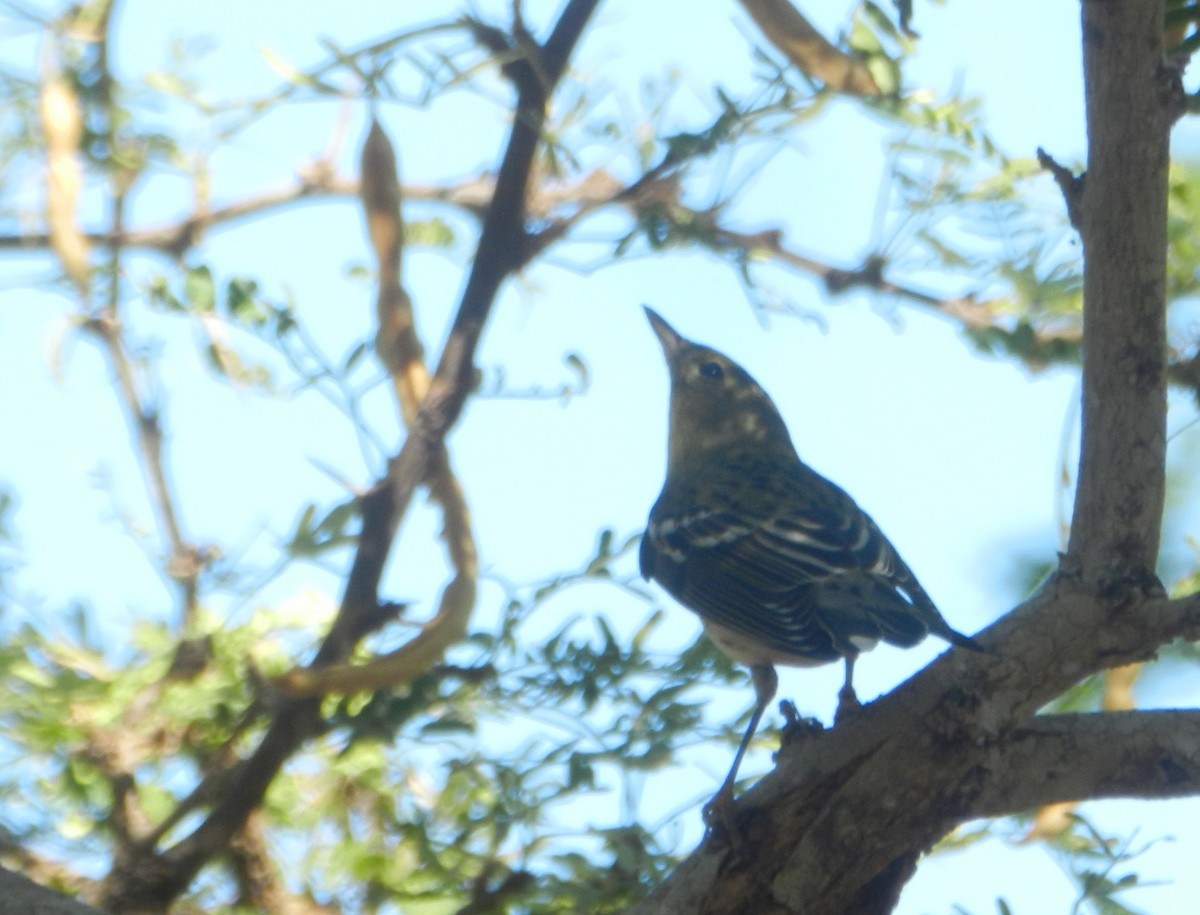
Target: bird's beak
(671, 342)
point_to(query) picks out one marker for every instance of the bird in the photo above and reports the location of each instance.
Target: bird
(780, 564)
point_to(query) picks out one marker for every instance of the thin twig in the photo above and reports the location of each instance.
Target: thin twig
(184, 562)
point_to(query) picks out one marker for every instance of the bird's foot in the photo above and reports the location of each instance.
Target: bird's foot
(795, 727)
(848, 705)
(721, 824)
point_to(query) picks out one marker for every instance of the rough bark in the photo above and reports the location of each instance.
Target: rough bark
(1132, 100)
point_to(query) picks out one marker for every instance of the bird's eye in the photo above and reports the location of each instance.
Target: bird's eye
(712, 370)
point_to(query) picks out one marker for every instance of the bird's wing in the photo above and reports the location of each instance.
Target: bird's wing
(812, 580)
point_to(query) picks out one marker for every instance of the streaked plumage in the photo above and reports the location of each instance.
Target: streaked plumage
(780, 564)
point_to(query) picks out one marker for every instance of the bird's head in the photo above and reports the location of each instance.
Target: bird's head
(715, 404)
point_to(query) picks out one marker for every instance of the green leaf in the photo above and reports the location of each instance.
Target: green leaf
(310, 540)
(199, 291)
(242, 303)
(159, 295)
(430, 233)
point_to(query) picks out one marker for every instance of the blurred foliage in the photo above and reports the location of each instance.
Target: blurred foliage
(487, 784)
(1101, 867)
(394, 822)
(8, 545)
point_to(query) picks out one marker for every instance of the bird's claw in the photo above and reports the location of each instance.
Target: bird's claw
(721, 829)
(848, 705)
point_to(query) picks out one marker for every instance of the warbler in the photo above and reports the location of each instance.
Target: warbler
(780, 564)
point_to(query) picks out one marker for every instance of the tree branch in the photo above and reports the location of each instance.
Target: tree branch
(655, 193)
(503, 248)
(1122, 464)
(1059, 758)
(853, 804)
(43, 870)
(160, 877)
(183, 562)
(1069, 185)
(400, 351)
(21, 896)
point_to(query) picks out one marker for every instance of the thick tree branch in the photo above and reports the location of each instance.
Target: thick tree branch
(1119, 498)
(21, 896)
(1059, 758)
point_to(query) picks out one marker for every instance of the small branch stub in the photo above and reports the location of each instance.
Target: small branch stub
(1068, 183)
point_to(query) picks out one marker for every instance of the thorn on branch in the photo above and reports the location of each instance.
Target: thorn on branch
(1070, 185)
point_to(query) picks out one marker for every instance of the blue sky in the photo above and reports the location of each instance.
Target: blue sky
(956, 456)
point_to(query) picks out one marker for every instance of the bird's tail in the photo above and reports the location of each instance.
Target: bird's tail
(962, 641)
(866, 607)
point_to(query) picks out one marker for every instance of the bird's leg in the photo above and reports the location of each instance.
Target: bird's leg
(848, 704)
(718, 812)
